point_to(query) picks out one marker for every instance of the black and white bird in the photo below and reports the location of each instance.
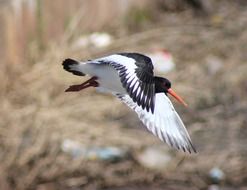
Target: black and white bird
(130, 77)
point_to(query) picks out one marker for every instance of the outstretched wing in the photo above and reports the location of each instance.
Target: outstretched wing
(164, 123)
(136, 75)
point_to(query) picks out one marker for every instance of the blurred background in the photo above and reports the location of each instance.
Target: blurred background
(50, 139)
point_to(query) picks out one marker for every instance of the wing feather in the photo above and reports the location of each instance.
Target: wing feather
(164, 123)
(136, 77)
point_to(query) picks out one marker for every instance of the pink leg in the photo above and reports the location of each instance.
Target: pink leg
(91, 82)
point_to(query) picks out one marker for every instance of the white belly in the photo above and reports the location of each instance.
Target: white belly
(107, 77)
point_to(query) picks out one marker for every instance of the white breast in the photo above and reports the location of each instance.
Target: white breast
(107, 76)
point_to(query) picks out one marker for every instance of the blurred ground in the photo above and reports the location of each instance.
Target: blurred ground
(209, 48)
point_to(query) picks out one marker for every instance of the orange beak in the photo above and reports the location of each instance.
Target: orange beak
(177, 97)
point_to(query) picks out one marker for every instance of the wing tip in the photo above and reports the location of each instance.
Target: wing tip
(183, 143)
(185, 147)
(194, 150)
(189, 149)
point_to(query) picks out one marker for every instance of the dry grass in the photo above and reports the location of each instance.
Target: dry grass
(37, 115)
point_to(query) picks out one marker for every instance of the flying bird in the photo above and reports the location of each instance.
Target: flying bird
(130, 77)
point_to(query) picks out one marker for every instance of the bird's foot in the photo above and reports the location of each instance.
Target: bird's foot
(91, 82)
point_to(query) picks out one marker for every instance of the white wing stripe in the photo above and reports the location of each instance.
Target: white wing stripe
(134, 82)
(164, 123)
(136, 86)
(127, 68)
(130, 78)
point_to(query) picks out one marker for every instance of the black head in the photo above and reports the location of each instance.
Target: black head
(162, 85)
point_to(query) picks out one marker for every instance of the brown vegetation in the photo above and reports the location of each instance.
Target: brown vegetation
(37, 116)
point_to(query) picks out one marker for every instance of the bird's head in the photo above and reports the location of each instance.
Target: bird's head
(164, 85)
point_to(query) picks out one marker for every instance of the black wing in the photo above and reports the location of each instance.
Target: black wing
(136, 74)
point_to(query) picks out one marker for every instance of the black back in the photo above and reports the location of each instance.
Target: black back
(142, 61)
(144, 73)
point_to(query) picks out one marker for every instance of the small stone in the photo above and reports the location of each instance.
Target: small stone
(97, 40)
(162, 61)
(213, 187)
(216, 175)
(214, 65)
(155, 157)
(78, 150)
(100, 39)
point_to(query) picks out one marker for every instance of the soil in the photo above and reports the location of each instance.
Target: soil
(211, 73)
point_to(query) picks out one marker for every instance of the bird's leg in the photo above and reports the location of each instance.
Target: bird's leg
(90, 82)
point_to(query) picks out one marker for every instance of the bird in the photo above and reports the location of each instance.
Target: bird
(130, 77)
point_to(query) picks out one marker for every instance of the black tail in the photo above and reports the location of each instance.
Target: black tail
(70, 66)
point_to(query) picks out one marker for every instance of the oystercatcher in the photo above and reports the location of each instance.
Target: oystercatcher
(130, 77)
